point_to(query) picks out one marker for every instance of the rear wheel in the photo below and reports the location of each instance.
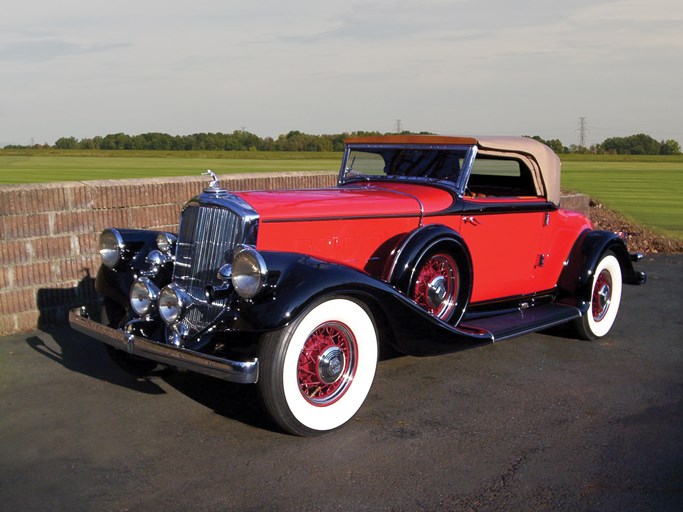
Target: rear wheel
(436, 283)
(605, 299)
(316, 373)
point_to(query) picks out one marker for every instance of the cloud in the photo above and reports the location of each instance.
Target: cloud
(43, 50)
(440, 65)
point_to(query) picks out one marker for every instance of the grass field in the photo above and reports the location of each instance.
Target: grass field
(647, 189)
(46, 165)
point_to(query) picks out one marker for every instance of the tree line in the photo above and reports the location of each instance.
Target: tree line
(238, 140)
(241, 140)
(639, 144)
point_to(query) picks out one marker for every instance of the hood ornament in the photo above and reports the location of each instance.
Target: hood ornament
(214, 179)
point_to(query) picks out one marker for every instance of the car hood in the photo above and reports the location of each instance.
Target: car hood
(347, 202)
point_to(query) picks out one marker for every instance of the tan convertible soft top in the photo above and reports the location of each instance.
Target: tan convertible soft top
(543, 162)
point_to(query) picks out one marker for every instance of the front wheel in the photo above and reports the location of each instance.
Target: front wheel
(315, 373)
(605, 299)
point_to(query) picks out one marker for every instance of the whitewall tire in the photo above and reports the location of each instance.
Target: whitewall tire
(316, 373)
(605, 299)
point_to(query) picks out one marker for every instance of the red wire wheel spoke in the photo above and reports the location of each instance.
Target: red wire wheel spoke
(327, 363)
(602, 295)
(436, 285)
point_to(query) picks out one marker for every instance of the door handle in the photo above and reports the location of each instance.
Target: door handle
(472, 220)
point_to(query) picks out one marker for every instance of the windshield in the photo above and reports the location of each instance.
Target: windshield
(377, 162)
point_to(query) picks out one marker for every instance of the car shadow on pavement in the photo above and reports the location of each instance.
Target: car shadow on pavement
(239, 402)
(58, 342)
(75, 352)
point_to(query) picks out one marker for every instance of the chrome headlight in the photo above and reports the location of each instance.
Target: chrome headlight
(111, 247)
(143, 296)
(172, 303)
(249, 271)
(166, 242)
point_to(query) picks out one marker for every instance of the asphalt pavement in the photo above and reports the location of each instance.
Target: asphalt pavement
(541, 422)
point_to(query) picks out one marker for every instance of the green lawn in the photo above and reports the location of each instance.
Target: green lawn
(42, 166)
(647, 189)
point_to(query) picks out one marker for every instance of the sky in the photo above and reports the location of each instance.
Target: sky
(531, 67)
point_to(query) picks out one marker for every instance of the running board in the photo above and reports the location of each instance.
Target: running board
(523, 321)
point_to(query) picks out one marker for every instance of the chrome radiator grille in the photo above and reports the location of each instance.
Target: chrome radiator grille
(206, 237)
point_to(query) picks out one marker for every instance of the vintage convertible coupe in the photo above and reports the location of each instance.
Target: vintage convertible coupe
(428, 244)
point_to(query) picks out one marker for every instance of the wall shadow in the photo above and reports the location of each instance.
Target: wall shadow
(76, 351)
(54, 304)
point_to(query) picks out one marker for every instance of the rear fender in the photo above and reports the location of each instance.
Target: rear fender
(574, 285)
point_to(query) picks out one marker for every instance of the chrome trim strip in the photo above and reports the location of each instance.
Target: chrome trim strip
(349, 217)
(466, 170)
(241, 372)
(406, 194)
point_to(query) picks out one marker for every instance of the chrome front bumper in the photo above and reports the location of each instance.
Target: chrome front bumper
(241, 372)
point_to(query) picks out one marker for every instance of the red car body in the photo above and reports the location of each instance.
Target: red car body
(429, 244)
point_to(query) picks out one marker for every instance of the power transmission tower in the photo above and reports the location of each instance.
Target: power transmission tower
(583, 129)
(398, 127)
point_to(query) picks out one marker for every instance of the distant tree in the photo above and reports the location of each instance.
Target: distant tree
(639, 144)
(66, 143)
(116, 141)
(670, 147)
(87, 144)
(554, 144)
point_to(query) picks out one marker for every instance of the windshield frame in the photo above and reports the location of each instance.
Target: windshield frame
(458, 184)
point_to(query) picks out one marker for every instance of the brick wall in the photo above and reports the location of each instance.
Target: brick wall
(49, 233)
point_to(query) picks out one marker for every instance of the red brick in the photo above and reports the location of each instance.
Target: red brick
(14, 251)
(17, 300)
(10, 197)
(34, 274)
(77, 197)
(26, 321)
(49, 248)
(76, 269)
(88, 243)
(39, 197)
(73, 222)
(6, 276)
(25, 226)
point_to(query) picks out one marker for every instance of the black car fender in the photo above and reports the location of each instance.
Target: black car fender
(574, 284)
(401, 267)
(295, 281)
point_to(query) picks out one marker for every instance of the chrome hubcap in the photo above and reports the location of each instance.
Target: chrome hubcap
(436, 292)
(331, 365)
(602, 295)
(603, 301)
(327, 363)
(436, 285)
